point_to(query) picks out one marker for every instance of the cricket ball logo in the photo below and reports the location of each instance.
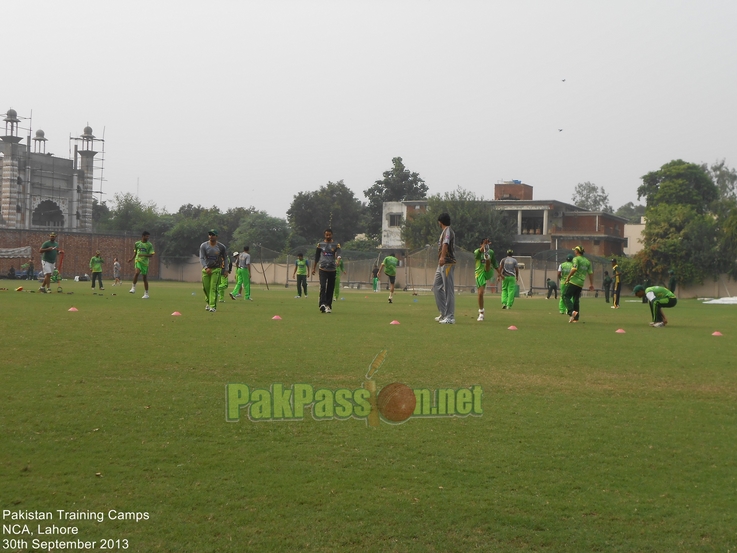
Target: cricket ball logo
(395, 403)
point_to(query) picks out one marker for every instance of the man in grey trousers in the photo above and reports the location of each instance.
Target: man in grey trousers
(443, 285)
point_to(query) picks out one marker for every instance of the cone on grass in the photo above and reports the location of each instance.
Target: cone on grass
(620, 331)
(176, 314)
(276, 318)
(72, 309)
(394, 322)
(716, 333)
(512, 328)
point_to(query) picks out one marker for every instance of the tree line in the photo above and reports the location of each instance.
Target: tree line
(690, 212)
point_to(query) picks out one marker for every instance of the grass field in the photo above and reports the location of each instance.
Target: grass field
(589, 440)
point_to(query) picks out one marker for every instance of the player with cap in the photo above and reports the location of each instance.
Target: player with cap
(658, 297)
(484, 261)
(389, 266)
(575, 283)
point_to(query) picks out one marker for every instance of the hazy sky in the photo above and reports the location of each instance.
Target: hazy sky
(248, 103)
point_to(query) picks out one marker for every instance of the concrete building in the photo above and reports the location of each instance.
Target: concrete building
(541, 224)
(41, 191)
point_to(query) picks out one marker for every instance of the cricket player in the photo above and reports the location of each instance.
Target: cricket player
(658, 297)
(617, 276)
(214, 258)
(575, 283)
(564, 269)
(389, 266)
(326, 254)
(338, 270)
(242, 275)
(301, 268)
(142, 253)
(49, 250)
(509, 271)
(485, 260)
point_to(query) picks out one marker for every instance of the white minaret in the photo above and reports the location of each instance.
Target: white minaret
(86, 179)
(9, 206)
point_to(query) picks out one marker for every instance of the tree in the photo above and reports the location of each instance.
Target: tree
(679, 183)
(190, 230)
(589, 196)
(260, 228)
(397, 185)
(130, 214)
(633, 213)
(100, 214)
(472, 219)
(724, 177)
(333, 205)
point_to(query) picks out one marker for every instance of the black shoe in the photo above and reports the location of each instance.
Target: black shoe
(390, 300)
(322, 308)
(504, 306)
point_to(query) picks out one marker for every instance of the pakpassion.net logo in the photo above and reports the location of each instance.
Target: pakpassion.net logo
(395, 403)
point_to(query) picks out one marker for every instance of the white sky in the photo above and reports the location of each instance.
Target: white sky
(238, 103)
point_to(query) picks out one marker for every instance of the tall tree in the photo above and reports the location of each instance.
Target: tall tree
(472, 219)
(633, 213)
(332, 205)
(724, 177)
(398, 184)
(679, 183)
(589, 196)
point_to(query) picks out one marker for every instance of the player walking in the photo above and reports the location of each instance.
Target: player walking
(564, 269)
(214, 259)
(389, 266)
(48, 251)
(242, 275)
(338, 270)
(617, 276)
(96, 268)
(142, 253)
(443, 284)
(326, 254)
(575, 282)
(301, 267)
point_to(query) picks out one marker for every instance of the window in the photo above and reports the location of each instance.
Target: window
(395, 220)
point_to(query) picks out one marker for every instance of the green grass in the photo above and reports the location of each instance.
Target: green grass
(589, 441)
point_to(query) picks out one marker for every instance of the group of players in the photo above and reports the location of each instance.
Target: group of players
(216, 265)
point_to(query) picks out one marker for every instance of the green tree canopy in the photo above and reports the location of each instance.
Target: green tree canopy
(679, 183)
(333, 205)
(260, 228)
(724, 177)
(633, 213)
(398, 184)
(589, 196)
(472, 219)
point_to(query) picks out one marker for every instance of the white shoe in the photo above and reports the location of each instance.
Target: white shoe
(658, 325)
(481, 317)
(144, 297)
(328, 310)
(447, 321)
(438, 318)
(296, 297)
(132, 290)
(207, 307)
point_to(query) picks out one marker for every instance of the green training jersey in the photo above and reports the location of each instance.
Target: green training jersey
(143, 248)
(478, 256)
(565, 270)
(583, 269)
(390, 265)
(96, 264)
(49, 256)
(659, 292)
(302, 266)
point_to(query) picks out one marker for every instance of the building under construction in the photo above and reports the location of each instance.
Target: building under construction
(42, 191)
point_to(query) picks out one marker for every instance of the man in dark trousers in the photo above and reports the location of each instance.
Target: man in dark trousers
(607, 285)
(326, 255)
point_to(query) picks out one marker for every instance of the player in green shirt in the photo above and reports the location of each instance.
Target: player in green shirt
(485, 260)
(563, 271)
(96, 268)
(48, 251)
(389, 265)
(658, 297)
(338, 270)
(301, 268)
(575, 283)
(142, 253)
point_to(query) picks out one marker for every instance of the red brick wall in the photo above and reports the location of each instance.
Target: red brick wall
(518, 191)
(78, 249)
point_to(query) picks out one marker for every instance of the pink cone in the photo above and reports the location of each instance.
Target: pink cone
(176, 314)
(512, 328)
(394, 322)
(716, 333)
(620, 331)
(72, 309)
(276, 318)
